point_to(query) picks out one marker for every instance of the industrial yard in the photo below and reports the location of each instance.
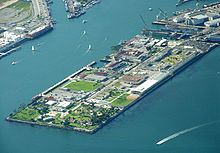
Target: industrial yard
(91, 97)
(76, 8)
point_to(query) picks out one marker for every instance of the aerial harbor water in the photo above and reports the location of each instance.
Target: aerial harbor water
(188, 100)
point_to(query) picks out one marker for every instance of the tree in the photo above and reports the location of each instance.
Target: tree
(67, 122)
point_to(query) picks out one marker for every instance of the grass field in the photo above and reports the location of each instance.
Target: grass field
(26, 115)
(83, 85)
(22, 6)
(122, 100)
(3, 1)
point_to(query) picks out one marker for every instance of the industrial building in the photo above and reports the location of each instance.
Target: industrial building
(214, 38)
(132, 79)
(63, 104)
(144, 86)
(212, 23)
(179, 19)
(97, 78)
(196, 20)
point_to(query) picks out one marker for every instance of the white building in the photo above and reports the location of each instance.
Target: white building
(50, 102)
(178, 19)
(10, 36)
(144, 86)
(63, 104)
(197, 20)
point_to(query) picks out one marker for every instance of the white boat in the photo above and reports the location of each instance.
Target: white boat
(32, 48)
(13, 63)
(84, 21)
(89, 47)
(150, 9)
(84, 32)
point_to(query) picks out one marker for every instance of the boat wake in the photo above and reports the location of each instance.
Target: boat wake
(182, 132)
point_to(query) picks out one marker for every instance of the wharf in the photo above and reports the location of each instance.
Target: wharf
(163, 22)
(67, 79)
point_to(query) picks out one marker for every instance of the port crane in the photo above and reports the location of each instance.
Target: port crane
(164, 13)
(142, 19)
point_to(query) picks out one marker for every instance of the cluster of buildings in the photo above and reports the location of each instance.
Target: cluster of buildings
(9, 38)
(75, 8)
(205, 17)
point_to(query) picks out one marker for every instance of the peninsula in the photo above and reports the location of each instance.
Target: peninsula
(91, 97)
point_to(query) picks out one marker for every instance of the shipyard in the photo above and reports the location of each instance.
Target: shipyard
(30, 20)
(76, 8)
(91, 97)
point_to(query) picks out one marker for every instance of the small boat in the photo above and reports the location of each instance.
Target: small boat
(89, 47)
(84, 32)
(150, 9)
(84, 21)
(32, 48)
(13, 63)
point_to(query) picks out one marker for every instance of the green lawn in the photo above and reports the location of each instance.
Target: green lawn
(3, 1)
(83, 85)
(26, 115)
(122, 100)
(22, 6)
(118, 84)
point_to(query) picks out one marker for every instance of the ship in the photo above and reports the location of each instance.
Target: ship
(39, 31)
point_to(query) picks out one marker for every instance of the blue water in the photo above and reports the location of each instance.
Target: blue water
(189, 99)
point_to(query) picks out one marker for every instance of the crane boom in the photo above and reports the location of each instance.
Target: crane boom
(163, 13)
(145, 25)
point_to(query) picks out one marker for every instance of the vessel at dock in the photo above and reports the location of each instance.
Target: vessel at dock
(39, 31)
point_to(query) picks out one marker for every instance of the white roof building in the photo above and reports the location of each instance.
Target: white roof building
(50, 102)
(63, 104)
(144, 86)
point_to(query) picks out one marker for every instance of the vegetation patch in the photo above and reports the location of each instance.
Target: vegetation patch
(83, 86)
(21, 5)
(26, 115)
(122, 100)
(2, 2)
